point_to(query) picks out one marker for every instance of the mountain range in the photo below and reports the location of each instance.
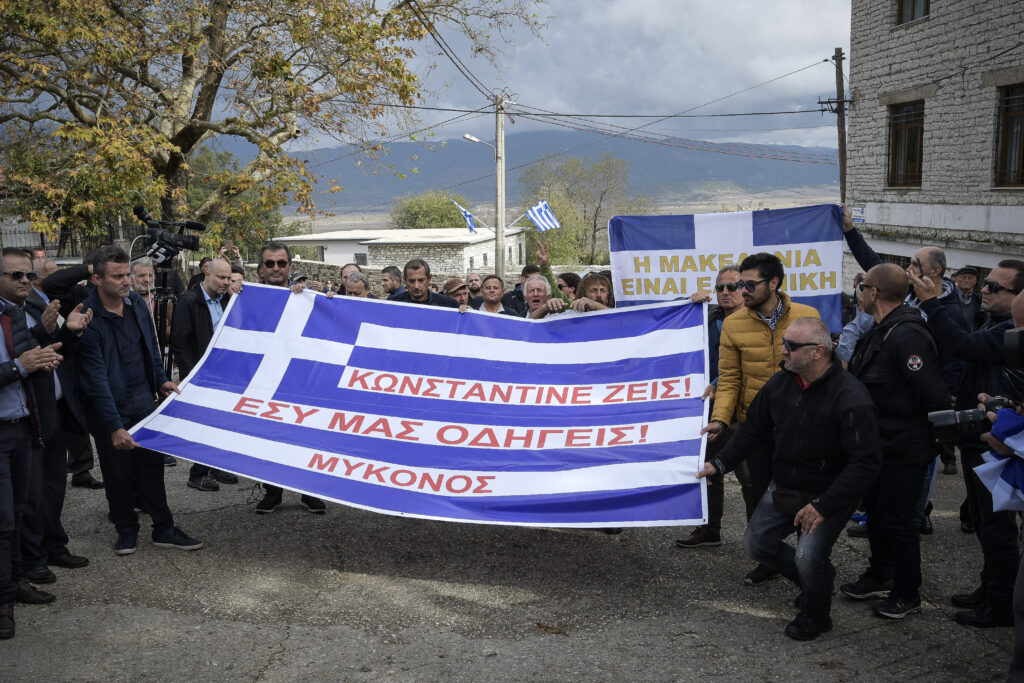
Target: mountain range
(661, 173)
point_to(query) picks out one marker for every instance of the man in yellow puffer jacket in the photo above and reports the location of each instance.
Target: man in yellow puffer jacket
(750, 353)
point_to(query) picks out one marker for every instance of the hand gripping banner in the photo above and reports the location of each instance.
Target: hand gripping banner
(586, 420)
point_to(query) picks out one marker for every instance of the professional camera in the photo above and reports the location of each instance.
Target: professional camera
(163, 244)
(948, 425)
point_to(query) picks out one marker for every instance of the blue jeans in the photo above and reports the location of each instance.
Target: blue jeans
(808, 565)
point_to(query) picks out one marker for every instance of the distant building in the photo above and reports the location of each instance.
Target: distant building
(936, 127)
(447, 250)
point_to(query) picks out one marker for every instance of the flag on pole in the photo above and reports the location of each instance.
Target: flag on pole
(542, 216)
(466, 216)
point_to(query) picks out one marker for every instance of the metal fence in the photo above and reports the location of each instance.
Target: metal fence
(68, 244)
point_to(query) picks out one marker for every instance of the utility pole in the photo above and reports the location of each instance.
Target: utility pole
(499, 199)
(841, 121)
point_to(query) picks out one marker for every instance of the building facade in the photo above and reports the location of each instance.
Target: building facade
(935, 128)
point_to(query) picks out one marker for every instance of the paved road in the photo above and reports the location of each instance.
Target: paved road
(356, 596)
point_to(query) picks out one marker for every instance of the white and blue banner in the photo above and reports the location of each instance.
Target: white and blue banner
(541, 215)
(588, 420)
(660, 258)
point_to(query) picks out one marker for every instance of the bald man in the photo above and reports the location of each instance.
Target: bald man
(898, 361)
(196, 316)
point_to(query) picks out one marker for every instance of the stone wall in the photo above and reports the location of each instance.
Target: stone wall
(950, 59)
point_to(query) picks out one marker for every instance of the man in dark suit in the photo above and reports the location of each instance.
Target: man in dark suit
(20, 357)
(196, 316)
(118, 371)
(43, 538)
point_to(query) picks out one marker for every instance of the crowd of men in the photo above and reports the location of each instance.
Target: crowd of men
(814, 427)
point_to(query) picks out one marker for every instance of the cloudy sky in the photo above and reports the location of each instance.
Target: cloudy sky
(662, 57)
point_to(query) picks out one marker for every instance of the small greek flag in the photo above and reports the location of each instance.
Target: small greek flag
(466, 216)
(542, 216)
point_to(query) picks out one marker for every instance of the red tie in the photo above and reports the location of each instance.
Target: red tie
(5, 324)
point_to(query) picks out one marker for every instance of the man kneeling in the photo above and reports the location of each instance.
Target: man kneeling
(825, 454)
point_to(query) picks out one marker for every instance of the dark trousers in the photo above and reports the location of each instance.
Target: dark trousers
(16, 444)
(1017, 663)
(997, 532)
(894, 527)
(80, 456)
(809, 565)
(716, 483)
(126, 474)
(42, 534)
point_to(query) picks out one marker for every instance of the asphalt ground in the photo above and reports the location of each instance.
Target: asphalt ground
(356, 596)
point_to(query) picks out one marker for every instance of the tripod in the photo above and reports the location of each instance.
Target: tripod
(164, 300)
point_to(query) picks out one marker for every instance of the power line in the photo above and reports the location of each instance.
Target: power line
(448, 52)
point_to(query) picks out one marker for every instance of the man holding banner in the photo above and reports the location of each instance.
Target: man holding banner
(750, 352)
(826, 454)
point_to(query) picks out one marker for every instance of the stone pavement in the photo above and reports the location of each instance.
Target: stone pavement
(356, 596)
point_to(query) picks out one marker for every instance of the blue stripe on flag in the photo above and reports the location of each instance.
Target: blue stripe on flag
(651, 233)
(679, 501)
(409, 453)
(338, 320)
(262, 310)
(829, 307)
(227, 370)
(821, 223)
(627, 370)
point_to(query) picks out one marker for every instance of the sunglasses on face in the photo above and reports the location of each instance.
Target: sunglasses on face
(792, 346)
(18, 275)
(750, 285)
(862, 286)
(995, 287)
(280, 263)
(731, 286)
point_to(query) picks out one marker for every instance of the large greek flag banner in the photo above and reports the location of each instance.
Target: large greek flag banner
(586, 420)
(659, 258)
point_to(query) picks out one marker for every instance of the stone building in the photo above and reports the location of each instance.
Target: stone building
(448, 250)
(935, 128)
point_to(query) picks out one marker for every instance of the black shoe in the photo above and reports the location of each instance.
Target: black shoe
(224, 477)
(126, 542)
(702, 535)
(612, 530)
(268, 504)
(894, 608)
(203, 483)
(949, 468)
(314, 505)
(6, 622)
(176, 538)
(39, 575)
(866, 587)
(804, 628)
(759, 575)
(85, 480)
(30, 595)
(857, 531)
(976, 598)
(169, 461)
(967, 527)
(926, 527)
(68, 561)
(985, 616)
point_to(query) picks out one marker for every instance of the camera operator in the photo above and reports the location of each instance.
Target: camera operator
(985, 371)
(898, 361)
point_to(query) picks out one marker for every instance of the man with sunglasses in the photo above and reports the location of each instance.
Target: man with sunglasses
(750, 353)
(275, 268)
(825, 452)
(730, 300)
(897, 360)
(985, 371)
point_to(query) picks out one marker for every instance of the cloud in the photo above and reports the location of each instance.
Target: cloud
(661, 57)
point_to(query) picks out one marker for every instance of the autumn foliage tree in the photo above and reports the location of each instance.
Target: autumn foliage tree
(104, 102)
